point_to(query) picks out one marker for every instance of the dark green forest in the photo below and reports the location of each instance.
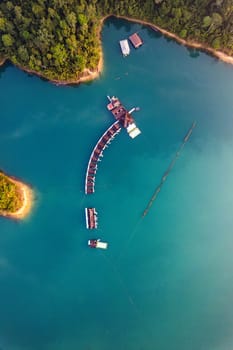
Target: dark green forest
(59, 38)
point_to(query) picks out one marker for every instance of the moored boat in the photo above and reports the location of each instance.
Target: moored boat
(124, 47)
(96, 243)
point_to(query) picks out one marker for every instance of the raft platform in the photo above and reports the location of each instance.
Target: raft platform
(123, 116)
(135, 40)
(91, 218)
(125, 49)
(97, 243)
(97, 154)
(123, 119)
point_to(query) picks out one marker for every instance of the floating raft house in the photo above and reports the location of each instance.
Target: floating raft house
(135, 40)
(125, 47)
(91, 218)
(96, 243)
(123, 116)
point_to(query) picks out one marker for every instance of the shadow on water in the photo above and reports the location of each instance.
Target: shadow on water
(122, 24)
(153, 33)
(193, 53)
(4, 67)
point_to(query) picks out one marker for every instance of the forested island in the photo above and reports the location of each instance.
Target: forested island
(60, 39)
(15, 197)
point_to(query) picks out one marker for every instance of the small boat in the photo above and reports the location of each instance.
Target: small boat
(96, 243)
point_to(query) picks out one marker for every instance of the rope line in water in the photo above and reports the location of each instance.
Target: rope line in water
(157, 190)
(169, 169)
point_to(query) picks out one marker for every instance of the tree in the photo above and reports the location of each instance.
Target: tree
(59, 54)
(183, 33)
(18, 13)
(216, 43)
(2, 24)
(37, 10)
(216, 19)
(71, 20)
(7, 40)
(206, 21)
(23, 53)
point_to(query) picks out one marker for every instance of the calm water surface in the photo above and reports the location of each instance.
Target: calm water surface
(166, 281)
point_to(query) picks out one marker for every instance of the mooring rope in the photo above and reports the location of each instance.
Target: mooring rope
(169, 169)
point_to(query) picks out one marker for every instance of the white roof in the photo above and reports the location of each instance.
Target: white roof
(131, 127)
(125, 47)
(135, 132)
(102, 245)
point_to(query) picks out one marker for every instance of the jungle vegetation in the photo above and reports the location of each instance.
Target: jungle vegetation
(10, 198)
(59, 38)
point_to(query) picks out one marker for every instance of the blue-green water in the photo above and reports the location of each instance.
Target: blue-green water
(166, 281)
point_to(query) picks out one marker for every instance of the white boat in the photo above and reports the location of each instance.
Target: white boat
(124, 47)
(96, 243)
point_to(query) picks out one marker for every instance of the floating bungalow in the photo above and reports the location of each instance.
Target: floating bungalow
(123, 116)
(97, 243)
(91, 218)
(124, 47)
(125, 120)
(97, 154)
(135, 40)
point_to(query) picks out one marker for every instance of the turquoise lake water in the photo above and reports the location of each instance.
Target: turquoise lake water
(166, 281)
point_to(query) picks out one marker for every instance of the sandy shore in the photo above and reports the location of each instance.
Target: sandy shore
(2, 61)
(89, 75)
(27, 200)
(86, 76)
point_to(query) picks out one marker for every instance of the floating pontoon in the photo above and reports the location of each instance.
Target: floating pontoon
(124, 47)
(96, 243)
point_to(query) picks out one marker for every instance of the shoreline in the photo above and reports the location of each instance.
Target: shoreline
(89, 75)
(2, 61)
(27, 200)
(86, 76)
(188, 43)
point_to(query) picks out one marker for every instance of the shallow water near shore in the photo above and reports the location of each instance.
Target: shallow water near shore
(166, 280)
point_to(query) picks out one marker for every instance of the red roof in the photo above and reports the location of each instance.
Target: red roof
(135, 40)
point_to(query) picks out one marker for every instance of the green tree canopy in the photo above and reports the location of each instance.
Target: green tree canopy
(7, 40)
(60, 38)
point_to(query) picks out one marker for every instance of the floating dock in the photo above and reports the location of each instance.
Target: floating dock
(96, 243)
(91, 218)
(136, 40)
(124, 47)
(96, 155)
(123, 119)
(123, 116)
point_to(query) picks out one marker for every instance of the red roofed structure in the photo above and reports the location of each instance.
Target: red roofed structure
(135, 40)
